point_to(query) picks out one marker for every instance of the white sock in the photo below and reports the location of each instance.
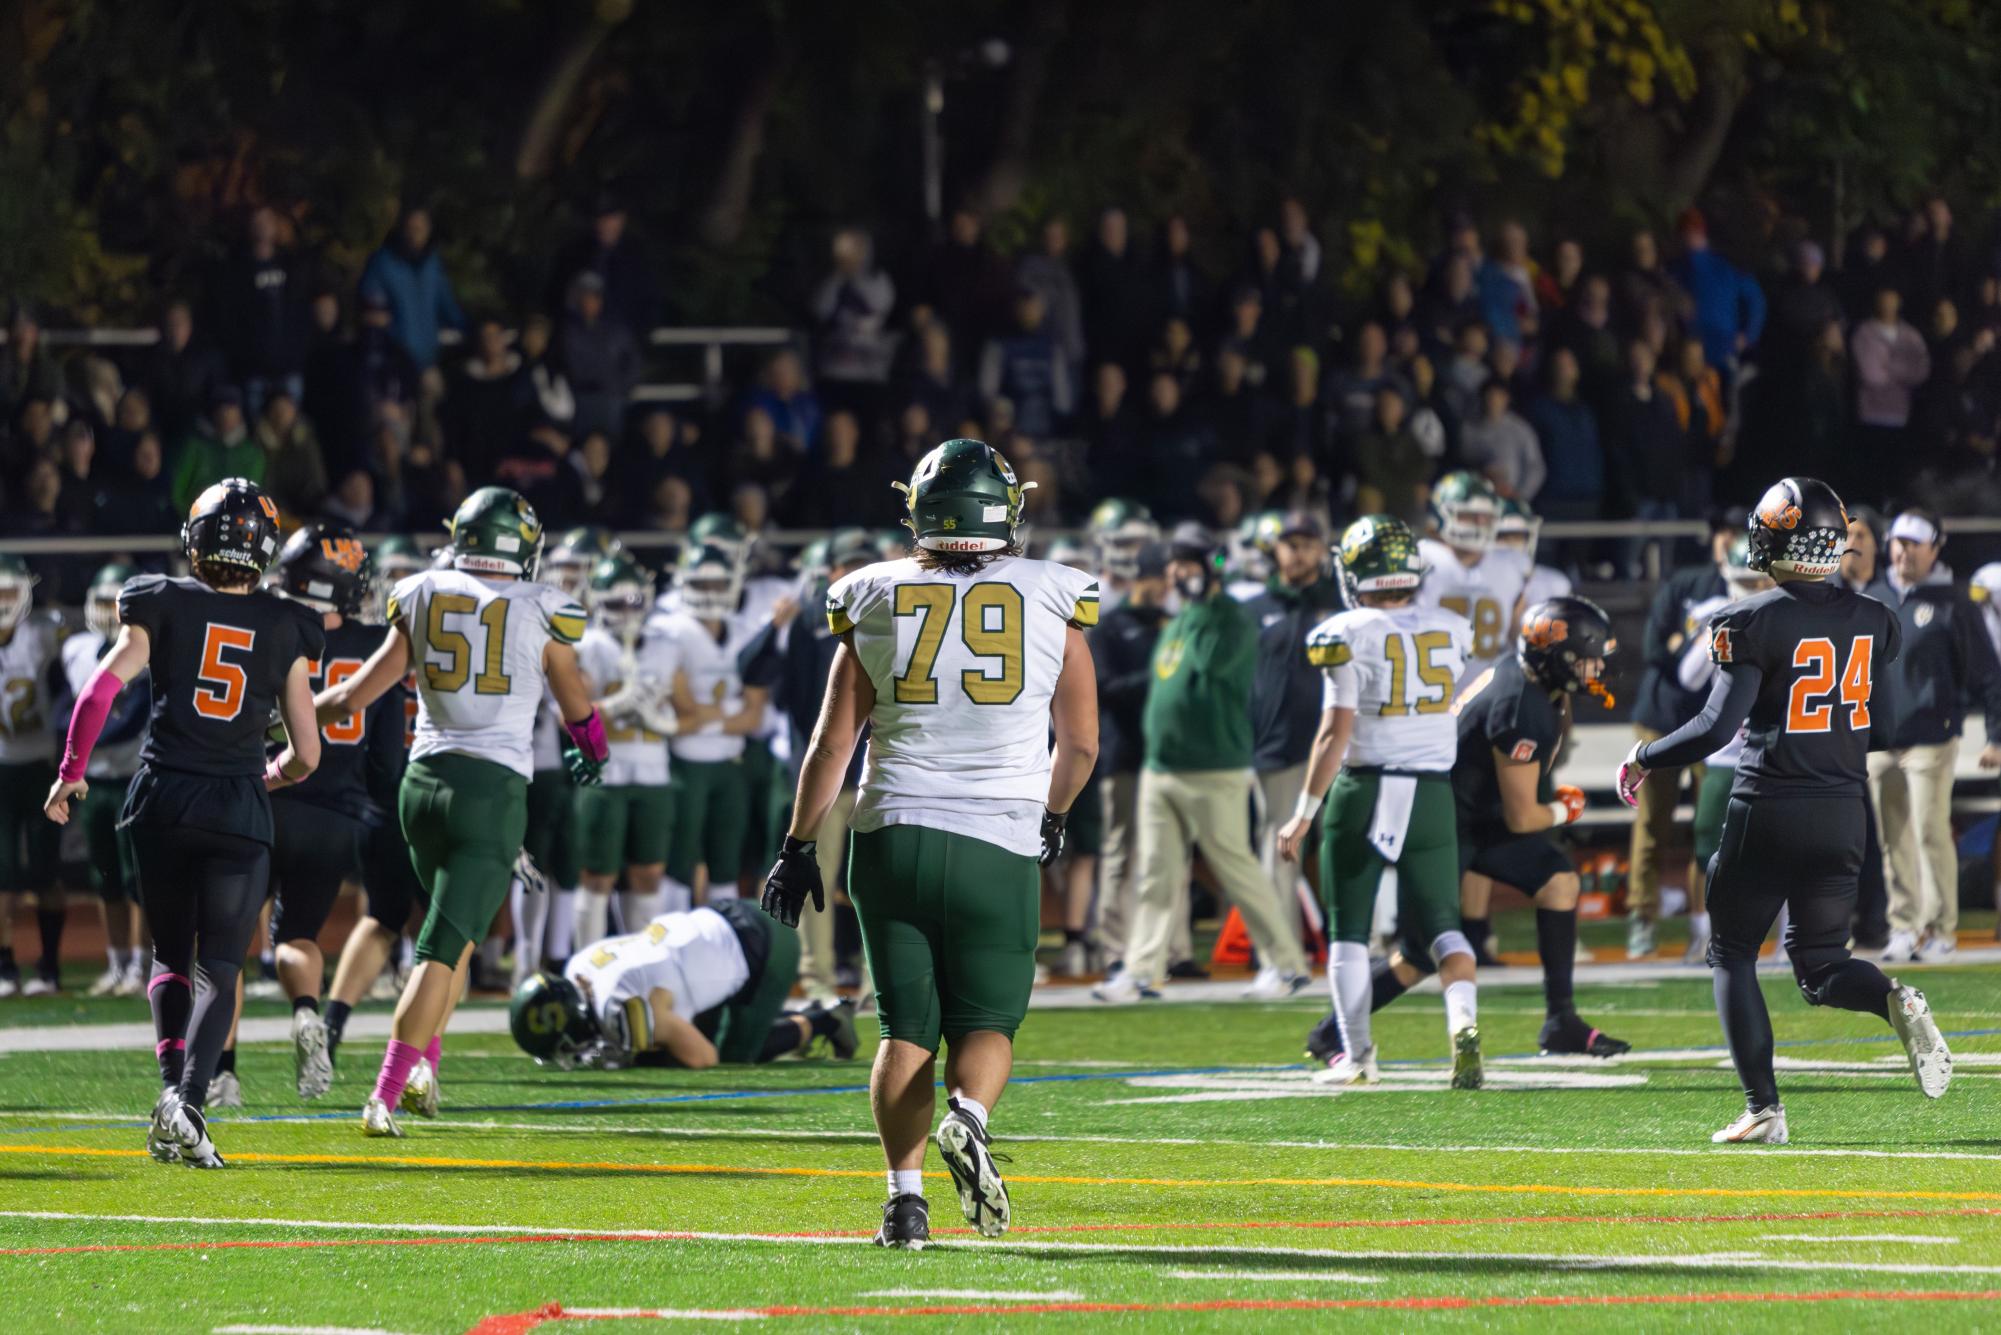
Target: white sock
(558, 924)
(675, 896)
(591, 919)
(973, 1108)
(531, 924)
(638, 909)
(906, 1181)
(1462, 1011)
(111, 957)
(1348, 977)
(1698, 924)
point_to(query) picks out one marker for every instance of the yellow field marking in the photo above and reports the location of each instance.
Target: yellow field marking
(1381, 1183)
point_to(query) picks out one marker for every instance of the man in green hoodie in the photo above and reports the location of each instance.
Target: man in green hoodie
(220, 446)
(1196, 783)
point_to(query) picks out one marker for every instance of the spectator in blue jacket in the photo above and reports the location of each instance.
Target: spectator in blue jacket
(407, 272)
(1729, 304)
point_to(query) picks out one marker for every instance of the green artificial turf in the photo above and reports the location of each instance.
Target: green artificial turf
(1572, 1208)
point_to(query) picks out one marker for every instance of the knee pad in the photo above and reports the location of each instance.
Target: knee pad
(1453, 942)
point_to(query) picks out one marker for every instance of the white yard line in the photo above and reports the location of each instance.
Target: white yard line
(1914, 1239)
(1279, 1276)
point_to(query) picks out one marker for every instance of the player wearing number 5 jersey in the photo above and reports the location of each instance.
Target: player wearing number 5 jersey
(1795, 668)
(485, 639)
(224, 656)
(959, 660)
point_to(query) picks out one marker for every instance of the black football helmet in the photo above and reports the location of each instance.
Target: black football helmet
(232, 523)
(1799, 528)
(1558, 635)
(325, 566)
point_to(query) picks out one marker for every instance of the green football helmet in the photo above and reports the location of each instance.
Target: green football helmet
(963, 497)
(17, 590)
(395, 559)
(1465, 509)
(100, 601)
(1737, 572)
(1118, 529)
(620, 594)
(717, 529)
(1379, 554)
(1518, 527)
(495, 532)
(709, 581)
(551, 1021)
(568, 565)
(813, 563)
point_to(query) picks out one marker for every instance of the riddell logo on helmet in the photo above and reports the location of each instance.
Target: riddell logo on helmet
(1545, 631)
(1786, 515)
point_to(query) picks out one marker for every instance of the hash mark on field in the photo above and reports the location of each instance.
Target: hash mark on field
(1915, 1239)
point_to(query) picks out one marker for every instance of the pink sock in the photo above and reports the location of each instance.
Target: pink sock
(435, 1052)
(396, 1066)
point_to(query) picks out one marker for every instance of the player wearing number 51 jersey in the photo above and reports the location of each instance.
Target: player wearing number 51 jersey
(1795, 667)
(485, 639)
(959, 660)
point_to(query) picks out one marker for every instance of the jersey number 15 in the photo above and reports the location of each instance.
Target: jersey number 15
(1807, 709)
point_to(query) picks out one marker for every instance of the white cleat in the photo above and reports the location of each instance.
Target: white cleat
(1271, 985)
(377, 1120)
(1901, 948)
(161, 1142)
(1937, 949)
(963, 1144)
(420, 1092)
(1468, 1072)
(107, 983)
(9, 987)
(225, 1091)
(311, 1065)
(191, 1128)
(1931, 1060)
(41, 986)
(1343, 1069)
(131, 983)
(1757, 1126)
(1121, 989)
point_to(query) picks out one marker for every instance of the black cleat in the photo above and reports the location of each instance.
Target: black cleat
(1323, 1044)
(1568, 1035)
(906, 1222)
(968, 1151)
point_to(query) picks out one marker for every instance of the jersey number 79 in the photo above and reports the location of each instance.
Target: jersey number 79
(990, 624)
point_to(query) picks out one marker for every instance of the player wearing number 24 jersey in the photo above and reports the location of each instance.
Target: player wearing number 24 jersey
(1795, 667)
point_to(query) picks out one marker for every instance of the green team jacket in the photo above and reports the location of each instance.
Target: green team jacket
(1198, 709)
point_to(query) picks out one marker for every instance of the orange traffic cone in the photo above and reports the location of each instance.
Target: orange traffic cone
(1233, 943)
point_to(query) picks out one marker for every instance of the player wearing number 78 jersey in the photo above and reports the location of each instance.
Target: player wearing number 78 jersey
(1797, 664)
(485, 639)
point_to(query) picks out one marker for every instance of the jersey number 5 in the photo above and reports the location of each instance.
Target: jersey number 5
(219, 692)
(990, 624)
(1806, 710)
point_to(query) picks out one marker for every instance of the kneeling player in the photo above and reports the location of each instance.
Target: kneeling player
(1794, 669)
(689, 989)
(1387, 728)
(1512, 721)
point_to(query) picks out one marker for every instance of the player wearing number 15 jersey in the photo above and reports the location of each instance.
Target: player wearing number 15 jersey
(959, 660)
(1795, 667)
(485, 639)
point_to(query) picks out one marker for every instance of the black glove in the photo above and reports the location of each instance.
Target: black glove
(793, 877)
(1052, 836)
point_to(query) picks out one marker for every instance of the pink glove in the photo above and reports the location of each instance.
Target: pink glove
(589, 737)
(1631, 775)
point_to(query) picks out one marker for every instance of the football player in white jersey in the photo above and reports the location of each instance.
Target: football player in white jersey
(30, 674)
(1387, 727)
(717, 713)
(686, 989)
(112, 765)
(627, 822)
(1467, 572)
(961, 661)
(1118, 529)
(1519, 529)
(486, 641)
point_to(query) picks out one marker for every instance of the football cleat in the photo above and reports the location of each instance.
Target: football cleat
(9, 986)
(1931, 1060)
(1122, 989)
(1467, 1072)
(310, 1062)
(1567, 1035)
(1901, 948)
(1271, 985)
(131, 983)
(1639, 938)
(377, 1120)
(107, 982)
(906, 1222)
(420, 1092)
(965, 1146)
(1342, 1069)
(161, 1142)
(844, 1040)
(1937, 949)
(42, 985)
(1324, 1041)
(1756, 1126)
(191, 1129)
(225, 1091)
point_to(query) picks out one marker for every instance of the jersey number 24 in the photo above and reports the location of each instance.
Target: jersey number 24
(1808, 709)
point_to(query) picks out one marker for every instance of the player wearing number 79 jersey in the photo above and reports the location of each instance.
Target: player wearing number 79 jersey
(485, 640)
(1798, 664)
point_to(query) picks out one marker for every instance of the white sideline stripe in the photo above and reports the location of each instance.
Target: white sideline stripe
(668, 1313)
(301, 1330)
(1555, 1260)
(1279, 1276)
(998, 1295)
(1915, 1239)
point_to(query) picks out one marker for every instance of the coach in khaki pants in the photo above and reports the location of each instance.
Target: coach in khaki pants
(1196, 785)
(1945, 658)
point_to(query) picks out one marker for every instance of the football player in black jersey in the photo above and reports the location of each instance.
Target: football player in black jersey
(224, 655)
(1795, 667)
(322, 824)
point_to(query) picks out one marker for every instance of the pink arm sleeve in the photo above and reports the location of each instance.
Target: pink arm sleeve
(86, 721)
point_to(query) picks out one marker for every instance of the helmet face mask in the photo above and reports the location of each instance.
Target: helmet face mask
(1466, 511)
(1518, 527)
(1119, 529)
(620, 596)
(710, 583)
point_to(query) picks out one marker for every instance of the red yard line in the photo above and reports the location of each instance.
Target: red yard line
(1209, 1225)
(518, 1323)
